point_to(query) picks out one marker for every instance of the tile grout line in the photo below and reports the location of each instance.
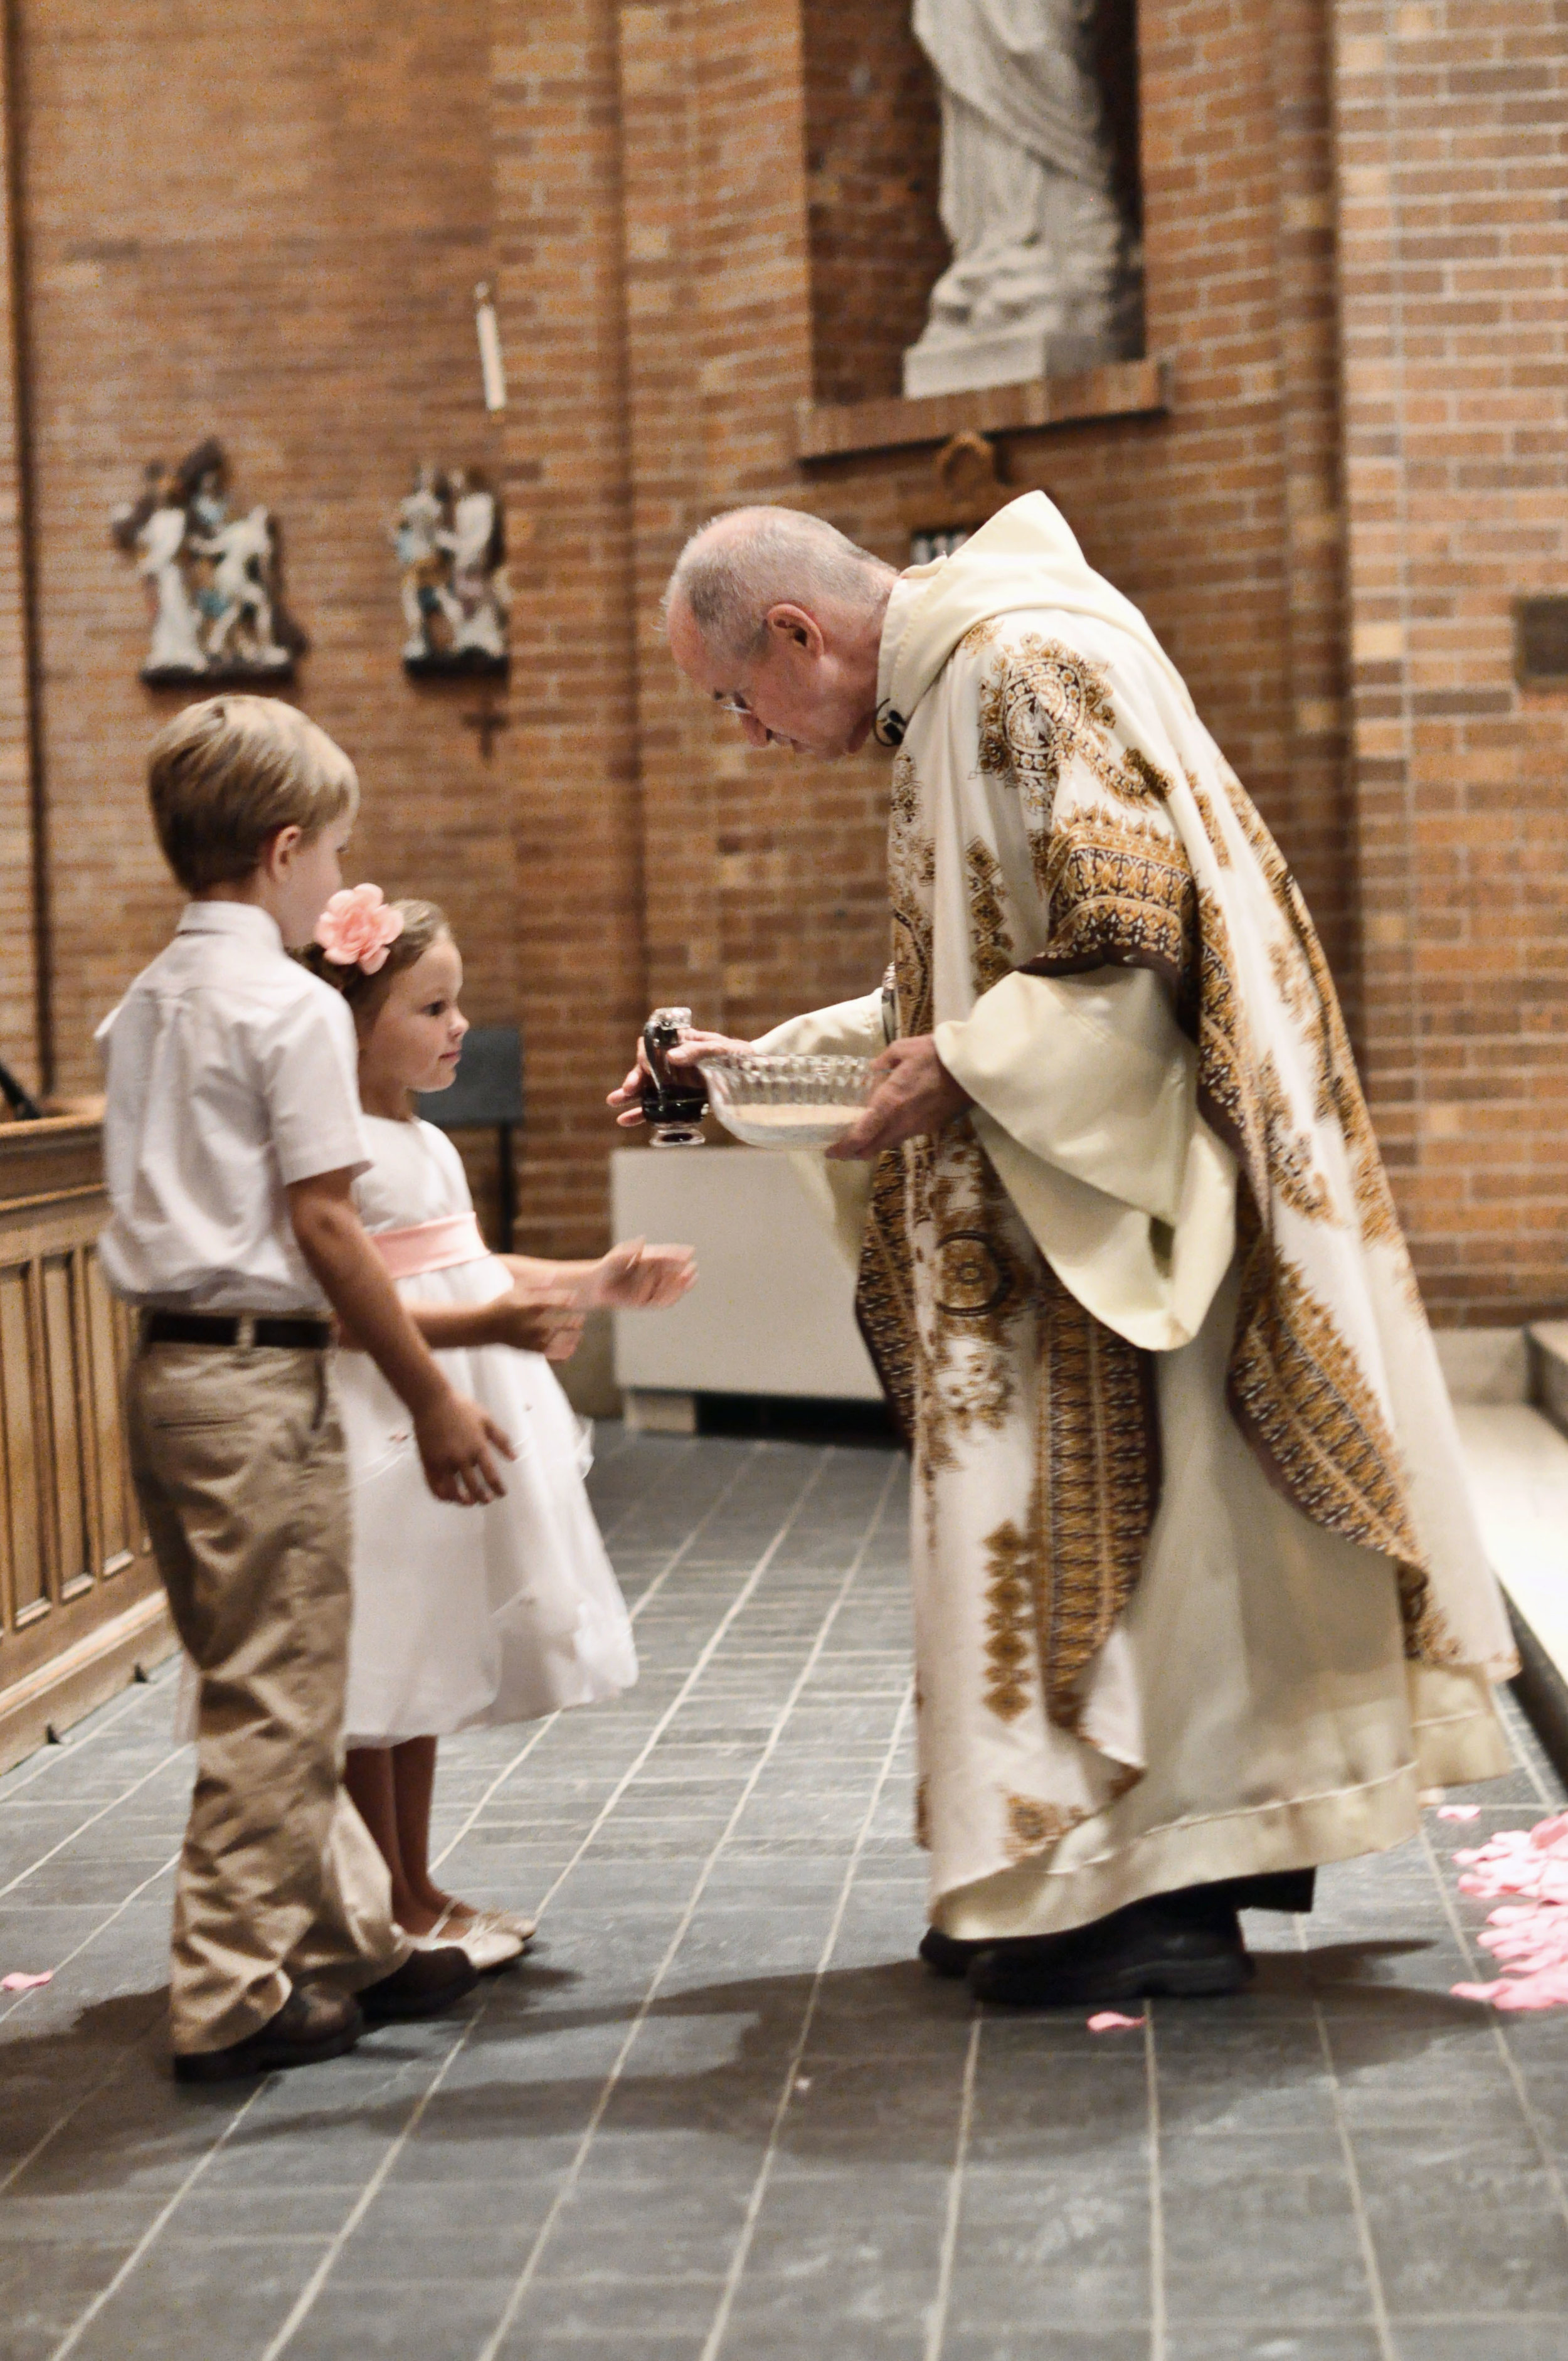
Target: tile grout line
(92, 1821)
(61, 2121)
(1510, 2063)
(67, 1750)
(164, 1867)
(283, 2335)
(938, 2327)
(156, 2229)
(111, 2073)
(1377, 2300)
(1528, 1767)
(306, 2301)
(103, 1926)
(536, 1737)
(84, 2320)
(1156, 2193)
(491, 2346)
(764, 2171)
(301, 2307)
(714, 1642)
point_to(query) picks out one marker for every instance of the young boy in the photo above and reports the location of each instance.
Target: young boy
(231, 1139)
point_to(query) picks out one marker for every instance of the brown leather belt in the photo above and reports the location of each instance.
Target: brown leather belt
(233, 1328)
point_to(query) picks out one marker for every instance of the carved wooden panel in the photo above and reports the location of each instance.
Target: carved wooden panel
(72, 1551)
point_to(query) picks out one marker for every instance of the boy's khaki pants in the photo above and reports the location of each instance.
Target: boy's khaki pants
(238, 1461)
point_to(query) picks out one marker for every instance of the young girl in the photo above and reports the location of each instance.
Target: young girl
(463, 1618)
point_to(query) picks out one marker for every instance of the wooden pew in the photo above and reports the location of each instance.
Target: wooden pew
(81, 1608)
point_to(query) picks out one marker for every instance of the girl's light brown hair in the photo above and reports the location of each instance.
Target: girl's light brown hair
(423, 925)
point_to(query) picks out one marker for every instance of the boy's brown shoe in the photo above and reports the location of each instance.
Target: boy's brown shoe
(314, 2023)
(427, 1982)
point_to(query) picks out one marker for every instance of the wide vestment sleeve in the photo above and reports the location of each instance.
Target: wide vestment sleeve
(1085, 1085)
(839, 1193)
(1085, 1102)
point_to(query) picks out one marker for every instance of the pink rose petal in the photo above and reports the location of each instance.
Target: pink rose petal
(1459, 1811)
(1530, 1935)
(1107, 2020)
(17, 1981)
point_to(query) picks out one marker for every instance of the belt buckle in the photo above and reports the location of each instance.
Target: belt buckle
(245, 1331)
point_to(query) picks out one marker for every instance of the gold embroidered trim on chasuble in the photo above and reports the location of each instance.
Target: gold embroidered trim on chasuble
(1036, 1827)
(1122, 892)
(991, 943)
(1055, 1591)
(1043, 705)
(884, 1293)
(1298, 1392)
(1301, 975)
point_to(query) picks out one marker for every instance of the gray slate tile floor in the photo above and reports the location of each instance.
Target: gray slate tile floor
(723, 2111)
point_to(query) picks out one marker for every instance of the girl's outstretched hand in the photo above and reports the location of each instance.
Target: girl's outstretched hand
(536, 1318)
(635, 1277)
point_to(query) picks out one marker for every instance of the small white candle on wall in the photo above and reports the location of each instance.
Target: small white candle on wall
(492, 366)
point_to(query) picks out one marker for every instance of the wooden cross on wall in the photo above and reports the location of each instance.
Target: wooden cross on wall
(487, 722)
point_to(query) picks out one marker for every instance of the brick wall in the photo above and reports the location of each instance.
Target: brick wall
(20, 1045)
(873, 154)
(1451, 123)
(571, 752)
(699, 215)
(268, 228)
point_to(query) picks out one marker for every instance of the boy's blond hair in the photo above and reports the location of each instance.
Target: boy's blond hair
(226, 774)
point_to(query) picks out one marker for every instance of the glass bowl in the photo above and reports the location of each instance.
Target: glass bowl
(777, 1102)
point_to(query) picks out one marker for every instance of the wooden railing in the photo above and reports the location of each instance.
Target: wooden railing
(81, 1609)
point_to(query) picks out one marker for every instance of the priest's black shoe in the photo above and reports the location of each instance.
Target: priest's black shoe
(314, 2023)
(427, 1982)
(946, 1955)
(1291, 1890)
(1161, 1949)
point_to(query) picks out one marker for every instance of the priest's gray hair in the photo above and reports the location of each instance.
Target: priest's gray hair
(749, 560)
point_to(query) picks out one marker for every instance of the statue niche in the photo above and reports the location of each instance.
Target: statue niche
(1038, 195)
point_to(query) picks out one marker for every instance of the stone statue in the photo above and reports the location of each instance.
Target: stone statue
(448, 538)
(415, 530)
(243, 561)
(217, 616)
(1040, 249)
(175, 646)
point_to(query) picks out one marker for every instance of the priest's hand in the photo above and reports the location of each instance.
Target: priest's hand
(914, 1093)
(691, 1046)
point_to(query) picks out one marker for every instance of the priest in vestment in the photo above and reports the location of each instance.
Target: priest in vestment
(1200, 1600)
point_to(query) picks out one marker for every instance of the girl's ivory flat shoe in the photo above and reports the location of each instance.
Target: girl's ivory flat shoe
(508, 1922)
(489, 1947)
(484, 1946)
(490, 1937)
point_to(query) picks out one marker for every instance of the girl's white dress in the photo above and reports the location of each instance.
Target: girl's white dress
(466, 1617)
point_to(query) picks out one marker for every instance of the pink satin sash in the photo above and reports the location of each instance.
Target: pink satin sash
(430, 1245)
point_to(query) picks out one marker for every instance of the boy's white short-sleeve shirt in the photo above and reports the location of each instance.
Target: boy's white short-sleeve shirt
(231, 1073)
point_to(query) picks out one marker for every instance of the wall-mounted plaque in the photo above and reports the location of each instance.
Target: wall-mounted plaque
(214, 578)
(450, 546)
(1541, 642)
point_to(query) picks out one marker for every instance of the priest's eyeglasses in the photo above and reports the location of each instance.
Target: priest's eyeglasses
(729, 700)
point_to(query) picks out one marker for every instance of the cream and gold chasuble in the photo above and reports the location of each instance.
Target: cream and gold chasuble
(1198, 1587)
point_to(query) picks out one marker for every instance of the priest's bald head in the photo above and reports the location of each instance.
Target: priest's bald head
(778, 618)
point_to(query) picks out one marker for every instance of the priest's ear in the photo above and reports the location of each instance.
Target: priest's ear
(797, 625)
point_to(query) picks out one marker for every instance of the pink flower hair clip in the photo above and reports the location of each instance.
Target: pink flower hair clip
(357, 929)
